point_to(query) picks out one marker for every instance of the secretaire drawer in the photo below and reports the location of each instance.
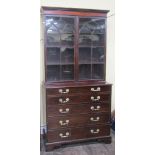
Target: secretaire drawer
(67, 109)
(78, 133)
(70, 90)
(77, 120)
(74, 99)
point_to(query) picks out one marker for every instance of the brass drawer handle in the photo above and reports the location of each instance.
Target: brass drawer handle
(95, 120)
(97, 89)
(65, 101)
(64, 123)
(64, 136)
(66, 110)
(63, 92)
(97, 131)
(94, 109)
(95, 99)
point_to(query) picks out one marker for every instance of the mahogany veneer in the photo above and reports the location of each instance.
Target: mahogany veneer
(78, 99)
(78, 133)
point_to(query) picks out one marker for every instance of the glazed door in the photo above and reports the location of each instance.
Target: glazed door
(91, 45)
(59, 47)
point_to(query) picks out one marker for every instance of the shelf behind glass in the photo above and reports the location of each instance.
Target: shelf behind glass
(60, 72)
(60, 48)
(58, 56)
(57, 39)
(94, 40)
(67, 72)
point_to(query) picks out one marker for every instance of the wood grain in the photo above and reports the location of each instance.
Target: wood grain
(78, 120)
(78, 89)
(89, 148)
(78, 133)
(72, 100)
(74, 109)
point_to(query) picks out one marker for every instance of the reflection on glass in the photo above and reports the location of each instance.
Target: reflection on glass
(67, 39)
(53, 73)
(53, 55)
(53, 39)
(67, 72)
(59, 24)
(60, 39)
(84, 55)
(91, 48)
(85, 40)
(98, 55)
(96, 40)
(97, 71)
(60, 48)
(67, 55)
(85, 72)
(59, 30)
(91, 25)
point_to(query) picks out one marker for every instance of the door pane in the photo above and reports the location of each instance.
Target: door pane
(67, 72)
(59, 30)
(53, 40)
(53, 73)
(59, 24)
(53, 56)
(66, 25)
(59, 33)
(85, 55)
(85, 72)
(98, 55)
(67, 55)
(91, 48)
(97, 71)
(97, 39)
(92, 25)
(88, 40)
(52, 25)
(85, 40)
(67, 39)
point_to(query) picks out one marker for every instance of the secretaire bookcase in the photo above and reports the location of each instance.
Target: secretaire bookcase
(78, 98)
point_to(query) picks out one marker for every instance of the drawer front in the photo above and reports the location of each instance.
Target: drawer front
(74, 99)
(67, 109)
(71, 90)
(78, 133)
(77, 120)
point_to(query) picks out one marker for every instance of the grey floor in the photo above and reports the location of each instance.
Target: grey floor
(85, 149)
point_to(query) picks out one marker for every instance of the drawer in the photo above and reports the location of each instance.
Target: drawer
(78, 133)
(71, 90)
(67, 109)
(77, 120)
(74, 99)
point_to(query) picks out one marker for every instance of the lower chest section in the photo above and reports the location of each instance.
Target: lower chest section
(74, 113)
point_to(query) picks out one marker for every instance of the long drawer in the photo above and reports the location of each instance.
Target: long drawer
(72, 90)
(78, 133)
(77, 120)
(67, 109)
(74, 99)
